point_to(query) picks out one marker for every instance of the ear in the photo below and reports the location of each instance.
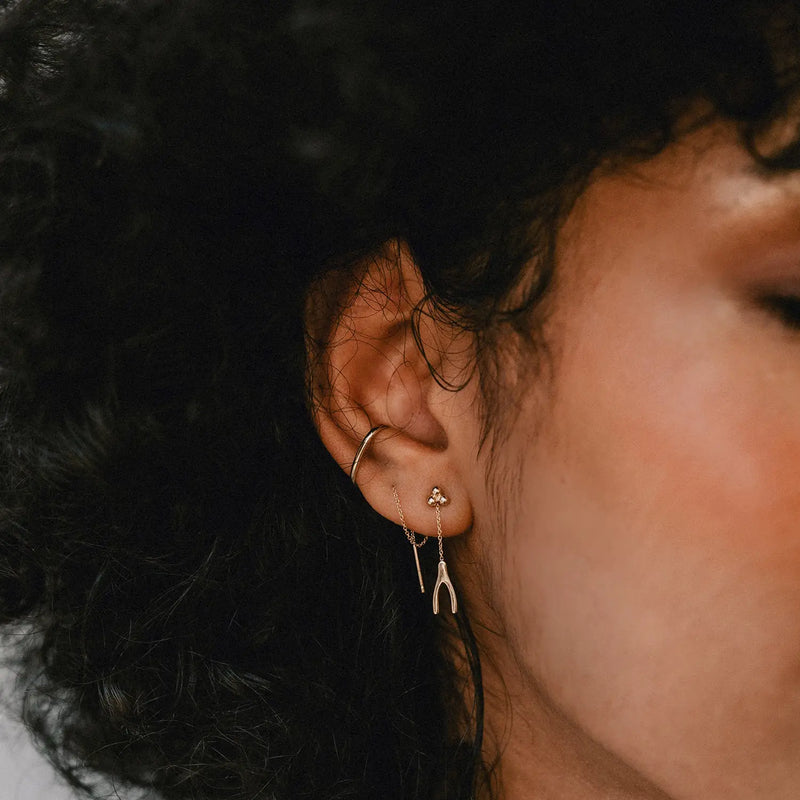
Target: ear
(380, 356)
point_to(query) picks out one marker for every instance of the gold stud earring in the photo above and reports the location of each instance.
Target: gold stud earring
(436, 501)
(411, 536)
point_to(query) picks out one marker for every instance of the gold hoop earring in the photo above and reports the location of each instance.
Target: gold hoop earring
(411, 536)
(362, 448)
(436, 501)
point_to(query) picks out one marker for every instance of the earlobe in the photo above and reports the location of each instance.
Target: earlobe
(368, 371)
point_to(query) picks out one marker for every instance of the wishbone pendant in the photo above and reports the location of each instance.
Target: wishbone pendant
(443, 579)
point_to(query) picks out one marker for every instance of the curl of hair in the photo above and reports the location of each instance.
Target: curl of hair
(213, 610)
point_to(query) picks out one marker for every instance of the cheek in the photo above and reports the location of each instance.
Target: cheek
(653, 569)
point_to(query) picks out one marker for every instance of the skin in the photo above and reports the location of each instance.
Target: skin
(632, 563)
(650, 572)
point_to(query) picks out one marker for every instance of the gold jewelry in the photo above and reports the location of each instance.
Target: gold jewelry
(437, 500)
(411, 536)
(362, 449)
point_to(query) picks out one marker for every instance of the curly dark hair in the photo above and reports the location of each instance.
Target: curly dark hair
(211, 610)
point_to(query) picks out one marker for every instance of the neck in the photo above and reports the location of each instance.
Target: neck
(535, 750)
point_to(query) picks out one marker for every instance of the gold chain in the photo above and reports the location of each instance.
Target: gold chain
(410, 535)
(439, 531)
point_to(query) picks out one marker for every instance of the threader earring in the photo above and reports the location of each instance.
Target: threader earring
(436, 501)
(411, 536)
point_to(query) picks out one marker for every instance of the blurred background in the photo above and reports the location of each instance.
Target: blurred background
(24, 774)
